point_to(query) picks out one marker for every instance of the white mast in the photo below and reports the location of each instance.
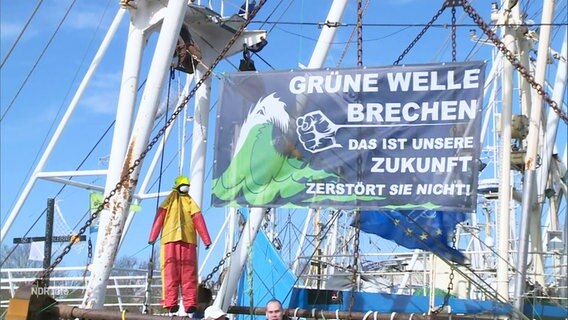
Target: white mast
(531, 157)
(229, 286)
(200, 129)
(113, 218)
(503, 227)
(551, 130)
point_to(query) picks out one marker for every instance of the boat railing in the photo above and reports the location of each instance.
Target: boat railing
(384, 272)
(402, 274)
(126, 287)
(227, 7)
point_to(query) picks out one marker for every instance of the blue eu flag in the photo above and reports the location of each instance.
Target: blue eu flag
(416, 229)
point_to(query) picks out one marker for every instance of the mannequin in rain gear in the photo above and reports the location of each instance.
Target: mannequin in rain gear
(178, 219)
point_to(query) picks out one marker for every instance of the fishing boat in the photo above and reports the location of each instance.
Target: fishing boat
(353, 159)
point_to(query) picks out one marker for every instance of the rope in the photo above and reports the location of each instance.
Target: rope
(21, 33)
(60, 191)
(38, 60)
(146, 305)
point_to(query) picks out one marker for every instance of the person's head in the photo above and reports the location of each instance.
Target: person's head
(274, 310)
(214, 313)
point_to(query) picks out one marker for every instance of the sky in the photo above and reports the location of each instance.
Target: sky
(39, 77)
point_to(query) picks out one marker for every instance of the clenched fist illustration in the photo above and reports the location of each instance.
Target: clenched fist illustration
(316, 132)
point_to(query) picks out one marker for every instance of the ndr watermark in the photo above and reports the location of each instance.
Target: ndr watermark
(50, 291)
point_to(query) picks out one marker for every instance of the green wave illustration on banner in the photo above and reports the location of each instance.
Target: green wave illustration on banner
(262, 173)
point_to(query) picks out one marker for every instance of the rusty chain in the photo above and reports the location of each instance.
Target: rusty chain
(359, 33)
(90, 250)
(513, 59)
(448, 294)
(223, 260)
(126, 177)
(496, 41)
(357, 220)
(219, 265)
(454, 27)
(426, 27)
(351, 35)
(454, 240)
(355, 262)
